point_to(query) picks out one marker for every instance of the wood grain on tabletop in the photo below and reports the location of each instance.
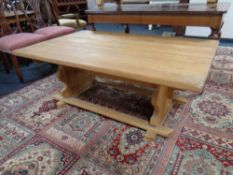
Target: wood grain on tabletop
(181, 63)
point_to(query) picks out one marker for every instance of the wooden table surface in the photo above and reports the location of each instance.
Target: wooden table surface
(174, 62)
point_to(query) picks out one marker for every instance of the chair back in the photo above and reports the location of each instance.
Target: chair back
(22, 7)
(7, 8)
(10, 14)
(4, 26)
(44, 13)
(35, 6)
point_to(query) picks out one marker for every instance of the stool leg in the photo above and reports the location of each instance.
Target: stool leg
(17, 68)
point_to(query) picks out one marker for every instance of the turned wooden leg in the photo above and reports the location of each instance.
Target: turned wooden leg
(5, 62)
(76, 81)
(180, 30)
(127, 30)
(17, 68)
(215, 33)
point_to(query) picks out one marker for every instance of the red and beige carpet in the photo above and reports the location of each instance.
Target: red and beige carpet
(38, 138)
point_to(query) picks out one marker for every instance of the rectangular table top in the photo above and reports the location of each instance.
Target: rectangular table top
(170, 8)
(180, 63)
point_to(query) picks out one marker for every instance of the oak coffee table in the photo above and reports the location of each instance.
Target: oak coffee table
(162, 63)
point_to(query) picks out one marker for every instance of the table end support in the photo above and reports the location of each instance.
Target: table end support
(76, 81)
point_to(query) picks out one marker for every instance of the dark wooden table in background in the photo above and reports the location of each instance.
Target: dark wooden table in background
(72, 6)
(163, 14)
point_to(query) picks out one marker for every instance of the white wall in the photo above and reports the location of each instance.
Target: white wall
(227, 30)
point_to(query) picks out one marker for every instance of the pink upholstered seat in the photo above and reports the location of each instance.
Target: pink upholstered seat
(19, 40)
(54, 31)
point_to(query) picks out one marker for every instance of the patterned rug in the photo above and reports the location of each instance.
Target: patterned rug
(38, 138)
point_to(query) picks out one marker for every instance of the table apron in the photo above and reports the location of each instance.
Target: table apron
(212, 21)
